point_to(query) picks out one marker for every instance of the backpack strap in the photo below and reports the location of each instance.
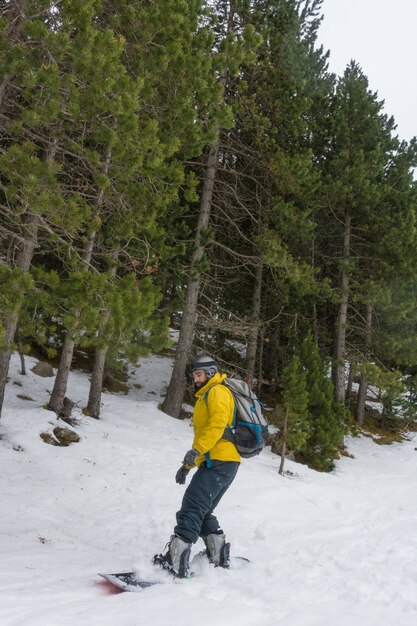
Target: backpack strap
(208, 460)
(228, 431)
(207, 454)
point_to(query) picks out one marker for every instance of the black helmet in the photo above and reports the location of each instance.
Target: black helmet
(205, 363)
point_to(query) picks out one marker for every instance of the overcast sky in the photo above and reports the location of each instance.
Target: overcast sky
(381, 36)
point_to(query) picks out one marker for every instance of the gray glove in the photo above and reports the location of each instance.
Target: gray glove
(190, 457)
(181, 475)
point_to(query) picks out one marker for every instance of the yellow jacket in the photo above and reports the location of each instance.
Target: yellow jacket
(212, 413)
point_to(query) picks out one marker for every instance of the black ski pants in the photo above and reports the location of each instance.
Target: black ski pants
(210, 482)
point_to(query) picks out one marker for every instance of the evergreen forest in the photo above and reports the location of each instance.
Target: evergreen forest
(194, 164)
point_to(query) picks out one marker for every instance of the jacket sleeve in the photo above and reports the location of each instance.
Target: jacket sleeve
(220, 406)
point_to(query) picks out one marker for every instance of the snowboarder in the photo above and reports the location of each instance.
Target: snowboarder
(217, 461)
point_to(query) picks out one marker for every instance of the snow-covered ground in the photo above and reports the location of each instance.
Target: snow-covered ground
(335, 549)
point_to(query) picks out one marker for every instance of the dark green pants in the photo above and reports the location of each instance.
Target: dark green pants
(195, 518)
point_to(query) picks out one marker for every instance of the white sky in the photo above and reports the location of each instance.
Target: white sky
(380, 35)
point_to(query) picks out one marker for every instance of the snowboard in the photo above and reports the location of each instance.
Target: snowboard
(129, 581)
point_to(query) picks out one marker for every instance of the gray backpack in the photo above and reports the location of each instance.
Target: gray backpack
(249, 431)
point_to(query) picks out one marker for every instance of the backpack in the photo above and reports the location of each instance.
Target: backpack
(249, 431)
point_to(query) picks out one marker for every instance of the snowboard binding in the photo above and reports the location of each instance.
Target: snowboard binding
(176, 559)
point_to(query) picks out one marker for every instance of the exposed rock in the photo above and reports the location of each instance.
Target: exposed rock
(47, 438)
(71, 421)
(66, 410)
(66, 436)
(114, 385)
(43, 369)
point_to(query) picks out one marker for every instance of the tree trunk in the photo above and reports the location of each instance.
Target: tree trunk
(315, 325)
(56, 401)
(363, 384)
(270, 367)
(10, 325)
(260, 359)
(339, 353)
(23, 262)
(350, 380)
(254, 331)
(315, 316)
(14, 13)
(361, 399)
(3, 86)
(11, 318)
(96, 385)
(22, 356)
(284, 443)
(176, 388)
(97, 375)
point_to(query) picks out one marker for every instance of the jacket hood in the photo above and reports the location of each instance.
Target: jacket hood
(215, 380)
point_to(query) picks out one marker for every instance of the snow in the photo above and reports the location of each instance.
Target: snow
(336, 549)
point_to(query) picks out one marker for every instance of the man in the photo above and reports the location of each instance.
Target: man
(217, 461)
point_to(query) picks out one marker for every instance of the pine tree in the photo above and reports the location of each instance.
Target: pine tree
(296, 426)
(230, 50)
(389, 267)
(39, 210)
(327, 418)
(261, 226)
(181, 52)
(359, 143)
(107, 112)
(134, 172)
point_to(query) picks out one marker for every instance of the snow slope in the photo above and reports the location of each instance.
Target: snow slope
(335, 549)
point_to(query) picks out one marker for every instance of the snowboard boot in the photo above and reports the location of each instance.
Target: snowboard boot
(177, 557)
(218, 551)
